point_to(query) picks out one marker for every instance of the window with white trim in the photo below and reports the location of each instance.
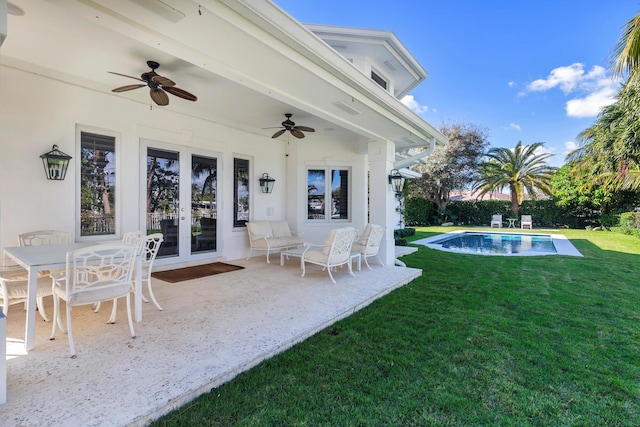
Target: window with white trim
(327, 194)
(97, 184)
(240, 192)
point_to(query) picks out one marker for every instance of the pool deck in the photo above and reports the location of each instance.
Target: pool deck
(560, 242)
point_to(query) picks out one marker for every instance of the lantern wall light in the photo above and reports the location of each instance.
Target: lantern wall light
(55, 164)
(397, 182)
(266, 183)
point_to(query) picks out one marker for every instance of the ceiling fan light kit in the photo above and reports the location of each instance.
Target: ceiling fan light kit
(158, 85)
(289, 125)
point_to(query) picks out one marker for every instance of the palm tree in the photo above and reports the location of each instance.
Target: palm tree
(626, 54)
(609, 152)
(520, 169)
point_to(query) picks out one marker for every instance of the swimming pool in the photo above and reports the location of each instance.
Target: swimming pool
(500, 243)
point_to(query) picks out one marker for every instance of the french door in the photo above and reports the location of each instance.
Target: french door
(181, 188)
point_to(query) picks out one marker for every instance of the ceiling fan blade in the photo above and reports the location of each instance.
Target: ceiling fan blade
(277, 134)
(124, 75)
(159, 97)
(126, 88)
(162, 80)
(297, 133)
(180, 92)
(305, 129)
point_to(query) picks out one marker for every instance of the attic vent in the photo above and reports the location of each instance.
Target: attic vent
(346, 107)
(376, 78)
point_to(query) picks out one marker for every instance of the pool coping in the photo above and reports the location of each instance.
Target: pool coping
(560, 242)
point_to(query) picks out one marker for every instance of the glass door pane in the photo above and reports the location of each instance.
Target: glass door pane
(163, 198)
(204, 206)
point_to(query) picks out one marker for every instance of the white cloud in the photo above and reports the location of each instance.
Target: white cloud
(514, 126)
(565, 77)
(590, 105)
(511, 84)
(414, 105)
(591, 90)
(570, 145)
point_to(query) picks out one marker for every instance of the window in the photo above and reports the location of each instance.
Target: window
(378, 79)
(97, 184)
(240, 192)
(327, 194)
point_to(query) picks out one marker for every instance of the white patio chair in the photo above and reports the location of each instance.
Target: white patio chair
(526, 222)
(368, 244)
(335, 252)
(45, 237)
(94, 274)
(497, 221)
(13, 284)
(134, 238)
(14, 288)
(148, 250)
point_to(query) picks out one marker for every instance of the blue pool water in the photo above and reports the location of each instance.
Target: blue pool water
(497, 243)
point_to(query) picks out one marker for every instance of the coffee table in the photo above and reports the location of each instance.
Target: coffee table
(294, 252)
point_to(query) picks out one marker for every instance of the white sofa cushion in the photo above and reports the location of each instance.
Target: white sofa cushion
(280, 229)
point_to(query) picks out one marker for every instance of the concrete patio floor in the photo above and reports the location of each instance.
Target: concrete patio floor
(211, 330)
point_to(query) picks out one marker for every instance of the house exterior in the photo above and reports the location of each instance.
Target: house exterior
(191, 169)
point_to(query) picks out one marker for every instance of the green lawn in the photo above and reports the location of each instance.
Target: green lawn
(509, 341)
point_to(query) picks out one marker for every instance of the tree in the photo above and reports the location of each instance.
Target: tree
(609, 152)
(519, 169)
(626, 54)
(451, 166)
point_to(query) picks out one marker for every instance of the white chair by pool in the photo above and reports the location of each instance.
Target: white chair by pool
(526, 222)
(496, 220)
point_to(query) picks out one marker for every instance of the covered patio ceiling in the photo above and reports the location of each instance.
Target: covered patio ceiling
(248, 63)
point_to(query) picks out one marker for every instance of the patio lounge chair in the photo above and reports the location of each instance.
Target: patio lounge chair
(368, 244)
(496, 220)
(526, 222)
(335, 252)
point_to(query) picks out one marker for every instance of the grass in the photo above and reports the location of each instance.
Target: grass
(510, 341)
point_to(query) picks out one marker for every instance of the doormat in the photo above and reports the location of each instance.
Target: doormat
(195, 272)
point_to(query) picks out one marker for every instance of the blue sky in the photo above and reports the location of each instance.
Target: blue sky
(530, 71)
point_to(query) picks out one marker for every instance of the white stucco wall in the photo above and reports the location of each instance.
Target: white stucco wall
(38, 112)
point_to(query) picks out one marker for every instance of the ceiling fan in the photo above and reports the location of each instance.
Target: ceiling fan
(159, 86)
(290, 126)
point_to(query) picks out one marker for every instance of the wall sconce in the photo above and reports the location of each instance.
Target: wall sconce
(266, 183)
(397, 182)
(55, 164)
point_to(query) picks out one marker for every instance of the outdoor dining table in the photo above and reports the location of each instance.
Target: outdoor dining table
(35, 259)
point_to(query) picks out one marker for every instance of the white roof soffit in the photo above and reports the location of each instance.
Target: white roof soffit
(415, 158)
(409, 174)
(380, 45)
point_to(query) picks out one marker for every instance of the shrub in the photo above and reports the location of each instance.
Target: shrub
(419, 211)
(400, 234)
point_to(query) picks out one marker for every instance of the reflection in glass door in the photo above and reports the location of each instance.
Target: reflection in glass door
(204, 182)
(163, 198)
